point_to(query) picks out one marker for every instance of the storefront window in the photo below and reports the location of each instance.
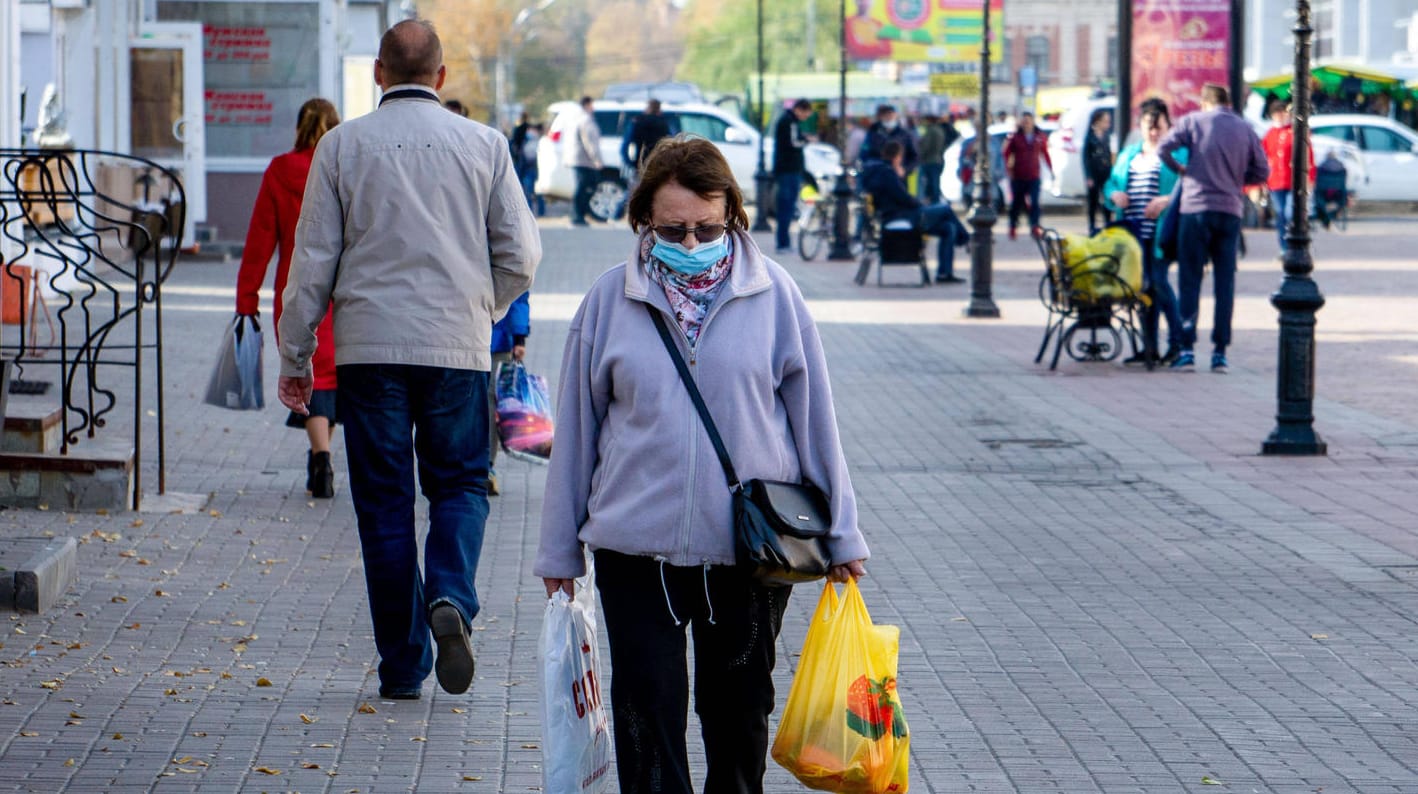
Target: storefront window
(261, 62)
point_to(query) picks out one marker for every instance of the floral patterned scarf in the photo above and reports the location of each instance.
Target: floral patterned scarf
(690, 296)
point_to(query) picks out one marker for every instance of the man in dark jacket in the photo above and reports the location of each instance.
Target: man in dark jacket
(788, 143)
(885, 180)
(932, 151)
(645, 131)
(888, 127)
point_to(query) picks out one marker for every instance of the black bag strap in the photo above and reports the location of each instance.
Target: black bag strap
(695, 397)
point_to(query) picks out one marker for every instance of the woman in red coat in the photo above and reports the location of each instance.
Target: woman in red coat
(272, 229)
(1024, 151)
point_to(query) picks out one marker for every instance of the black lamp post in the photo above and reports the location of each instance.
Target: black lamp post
(763, 181)
(982, 211)
(1299, 297)
(841, 192)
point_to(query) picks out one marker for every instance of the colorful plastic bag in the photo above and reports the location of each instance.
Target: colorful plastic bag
(576, 753)
(236, 378)
(524, 416)
(843, 728)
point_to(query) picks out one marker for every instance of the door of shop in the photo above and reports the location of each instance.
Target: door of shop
(167, 122)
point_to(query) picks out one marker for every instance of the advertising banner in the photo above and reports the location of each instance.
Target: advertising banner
(1178, 46)
(921, 31)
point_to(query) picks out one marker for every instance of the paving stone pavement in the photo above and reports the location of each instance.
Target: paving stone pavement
(1100, 585)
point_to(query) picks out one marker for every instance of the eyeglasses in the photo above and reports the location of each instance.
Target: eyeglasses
(707, 233)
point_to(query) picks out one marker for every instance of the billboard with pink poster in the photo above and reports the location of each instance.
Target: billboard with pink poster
(1178, 46)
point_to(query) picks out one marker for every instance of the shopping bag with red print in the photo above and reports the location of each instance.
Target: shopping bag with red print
(842, 728)
(576, 753)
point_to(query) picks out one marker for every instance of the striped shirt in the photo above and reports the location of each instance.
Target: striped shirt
(1144, 176)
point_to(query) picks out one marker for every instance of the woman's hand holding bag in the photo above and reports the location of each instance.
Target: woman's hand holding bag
(842, 728)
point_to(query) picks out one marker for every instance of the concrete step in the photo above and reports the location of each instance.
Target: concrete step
(91, 477)
(32, 424)
(36, 572)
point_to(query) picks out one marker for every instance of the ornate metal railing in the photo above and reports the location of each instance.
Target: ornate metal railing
(101, 231)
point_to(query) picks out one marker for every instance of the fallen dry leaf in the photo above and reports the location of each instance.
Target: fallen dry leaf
(137, 522)
(309, 765)
(160, 593)
(472, 778)
(323, 745)
(119, 599)
(69, 762)
(51, 684)
(184, 759)
(308, 720)
(128, 553)
(29, 733)
(169, 691)
(74, 715)
(365, 708)
(118, 737)
(417, 739)
(218, 514)
(1208, 780)
(200, 734)
(265, 770)
(263, 682)
(456, 710)
(1319, 636)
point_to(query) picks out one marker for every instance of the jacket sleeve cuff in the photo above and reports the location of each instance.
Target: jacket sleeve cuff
(519, 340)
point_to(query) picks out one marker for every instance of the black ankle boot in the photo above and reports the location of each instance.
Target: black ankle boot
(323, 476)
(309, 471)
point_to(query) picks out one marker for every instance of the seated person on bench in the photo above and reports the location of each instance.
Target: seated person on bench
(885, 180)
(1331, 188)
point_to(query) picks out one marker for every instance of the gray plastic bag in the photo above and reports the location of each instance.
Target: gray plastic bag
(236, 379)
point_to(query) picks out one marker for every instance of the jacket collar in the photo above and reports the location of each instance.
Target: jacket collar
(748, 275)
(408, 91)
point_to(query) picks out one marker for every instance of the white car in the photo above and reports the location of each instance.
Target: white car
(950, 186)
(735, 138)
(1388, 150)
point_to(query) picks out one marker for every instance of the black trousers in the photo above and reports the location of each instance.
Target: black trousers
(733, 663)
(1096, 208)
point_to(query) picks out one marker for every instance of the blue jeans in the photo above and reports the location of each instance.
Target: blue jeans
(930, 182)
(535, 202)
(939, 220)
(586, 179)
(398, 416)
(785, 205)
(1204, 236)
(1024, 189)
(1281, 201)
(1164, 301)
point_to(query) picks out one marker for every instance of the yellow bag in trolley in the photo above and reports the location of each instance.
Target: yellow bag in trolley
(842, 728)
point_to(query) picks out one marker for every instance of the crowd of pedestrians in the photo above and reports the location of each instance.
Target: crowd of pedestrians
(391, 321)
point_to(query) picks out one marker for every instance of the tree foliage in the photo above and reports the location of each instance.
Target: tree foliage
(721, 40)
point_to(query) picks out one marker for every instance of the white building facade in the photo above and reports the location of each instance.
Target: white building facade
(211, 87)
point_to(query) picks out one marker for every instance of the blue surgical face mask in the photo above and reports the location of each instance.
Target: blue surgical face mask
(690, 262)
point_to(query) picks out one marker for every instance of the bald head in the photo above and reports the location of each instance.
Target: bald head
(410, 52)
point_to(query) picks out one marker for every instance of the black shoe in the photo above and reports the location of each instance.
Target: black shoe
(454, 665)
(949, 280)
(399, 694)
(309, 471)
(1170, 356)
(1139, 360)
(322, 476)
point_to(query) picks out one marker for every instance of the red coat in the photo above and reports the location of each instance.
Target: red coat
(1022, 156)
(273, 228)
(1277, 143)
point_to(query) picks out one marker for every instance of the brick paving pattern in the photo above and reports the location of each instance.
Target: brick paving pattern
(1100, 585)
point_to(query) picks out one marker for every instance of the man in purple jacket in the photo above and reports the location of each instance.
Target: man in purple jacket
(1225, 156)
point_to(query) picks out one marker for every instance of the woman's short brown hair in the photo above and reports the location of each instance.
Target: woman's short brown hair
(695, 164)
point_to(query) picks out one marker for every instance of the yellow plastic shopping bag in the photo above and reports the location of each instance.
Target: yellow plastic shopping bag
(842, 728)
(1101, 264)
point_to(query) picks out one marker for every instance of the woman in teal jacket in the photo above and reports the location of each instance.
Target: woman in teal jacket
(1139, 192)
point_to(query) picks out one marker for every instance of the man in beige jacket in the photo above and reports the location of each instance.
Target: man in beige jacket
(584, 152)
(415, 232)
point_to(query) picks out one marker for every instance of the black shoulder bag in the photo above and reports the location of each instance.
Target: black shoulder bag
(780, 528)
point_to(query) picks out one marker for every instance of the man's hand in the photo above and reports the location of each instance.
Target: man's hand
(1120, 199)
(1156, 207)
(295, 393)
(853, 570)
(518, 351)
(567, 586)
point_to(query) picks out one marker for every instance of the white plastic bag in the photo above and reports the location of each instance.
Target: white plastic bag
(576, 752)
(236, 378)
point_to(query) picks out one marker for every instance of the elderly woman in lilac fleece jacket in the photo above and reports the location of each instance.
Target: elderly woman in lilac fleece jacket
(635, 478)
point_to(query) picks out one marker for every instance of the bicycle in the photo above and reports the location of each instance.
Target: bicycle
(818, 223)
